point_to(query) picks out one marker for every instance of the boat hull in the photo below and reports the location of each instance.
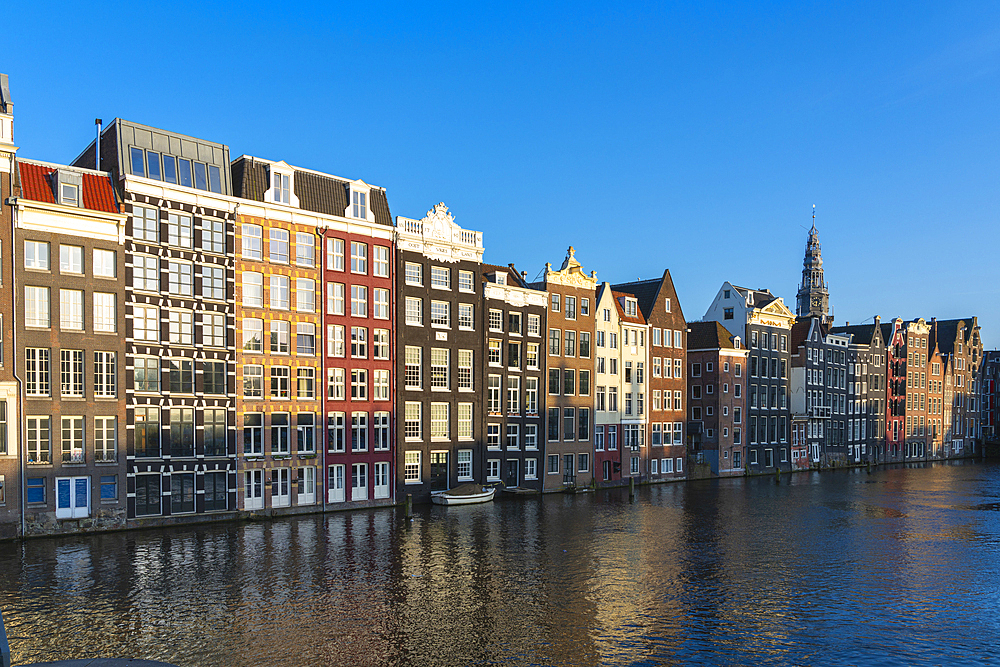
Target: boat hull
(444, 498)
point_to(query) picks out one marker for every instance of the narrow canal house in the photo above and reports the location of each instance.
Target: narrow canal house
(569, 447)
(716, 385)
(666, 353)
(10, 407)
(866, 388)
(179, 333)
(916, 337)
(514, 322)
(819, 393)
(767, 323)
(609, 464)
(440, 343)
(316, 253)
(69, 265)
(895, 381)
(621, 405)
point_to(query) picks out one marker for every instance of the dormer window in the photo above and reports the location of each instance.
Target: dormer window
(67, 187)
(282, 185)
(281, 188)
(501, 278)
(69, 194)
(359, 204)
(631, 307)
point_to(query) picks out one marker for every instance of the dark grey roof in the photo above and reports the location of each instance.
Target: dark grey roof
(316, 192)
(644, 291)
(709, 336)
(863, 334)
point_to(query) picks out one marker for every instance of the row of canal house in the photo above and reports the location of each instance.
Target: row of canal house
(187, 336)
(819, 395)
(205, 336)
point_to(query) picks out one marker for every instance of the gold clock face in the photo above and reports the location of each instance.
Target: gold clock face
(817, 301)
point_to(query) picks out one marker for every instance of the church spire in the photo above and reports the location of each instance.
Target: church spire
(813, 295)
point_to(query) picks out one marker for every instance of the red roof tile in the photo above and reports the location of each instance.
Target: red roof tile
(36, 185)
(637, 319)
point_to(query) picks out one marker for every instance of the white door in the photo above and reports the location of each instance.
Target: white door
(359, 481)
(72, 497)
(281, 487)
(253, 490)
(307, 482)
(382, 480)
(335, 487)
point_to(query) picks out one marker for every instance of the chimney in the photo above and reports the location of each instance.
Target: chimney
(6, 109)
(97, 146)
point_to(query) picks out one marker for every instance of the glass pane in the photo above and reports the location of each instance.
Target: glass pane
(200, 176)
(169, 169)
(153, 160)
(215, 179)
(138, 164)
(185, 175)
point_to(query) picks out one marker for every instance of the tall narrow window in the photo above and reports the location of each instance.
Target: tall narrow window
(278, 246)
(71, 372)
(359, 202)
(36, 307)
(105, 375)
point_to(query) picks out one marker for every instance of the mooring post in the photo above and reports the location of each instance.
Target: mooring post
(409, 507)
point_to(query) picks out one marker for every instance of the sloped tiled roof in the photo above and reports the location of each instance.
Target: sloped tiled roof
(886, 333)
(800, 331)
(709, 336)
(645, 292)
(761, 297)
(512, 276)
(37, 185)
(947, 334)
(862, 333)
(631, 319)
(316, 192)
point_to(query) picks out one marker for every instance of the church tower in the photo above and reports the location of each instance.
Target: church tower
(813, 296)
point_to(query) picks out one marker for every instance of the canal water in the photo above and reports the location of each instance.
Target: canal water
(900, 566)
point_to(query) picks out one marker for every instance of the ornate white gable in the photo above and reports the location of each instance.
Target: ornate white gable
(571, 273)
(438, 237)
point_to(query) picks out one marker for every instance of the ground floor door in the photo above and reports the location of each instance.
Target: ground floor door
(510, 474)
(307, 486)
(253, 490)
(72, 497)
(335, 484)
(439, 471)
(382, 480)
(607, 471)
(359, 481)
(569, 470)
(281, 487)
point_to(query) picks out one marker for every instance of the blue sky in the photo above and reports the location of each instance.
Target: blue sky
(694, 137)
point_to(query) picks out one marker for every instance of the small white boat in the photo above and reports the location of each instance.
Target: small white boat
(466, 494)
